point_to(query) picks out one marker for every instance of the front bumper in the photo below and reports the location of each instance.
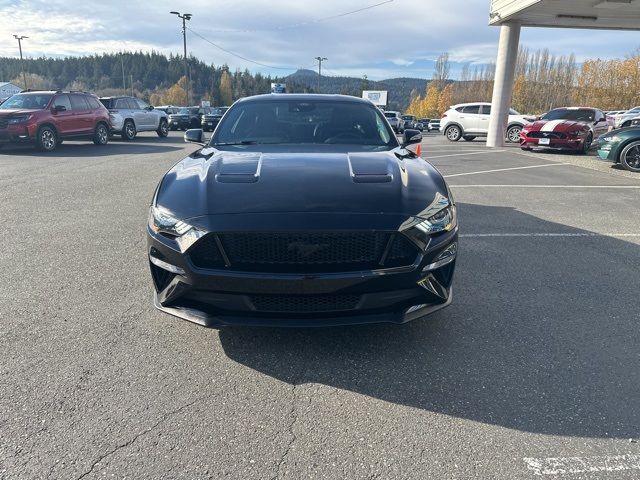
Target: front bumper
(554, 143)
(220, 298)
(20, 133)
(180, 122)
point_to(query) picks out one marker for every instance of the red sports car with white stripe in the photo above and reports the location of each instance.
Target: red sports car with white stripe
(571, 128)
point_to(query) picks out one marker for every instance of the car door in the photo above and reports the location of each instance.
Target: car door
(148, 116)
(483, 119)
(139, 115)
(469, 118)
(600, 125)
(82, 116)
(64, 120)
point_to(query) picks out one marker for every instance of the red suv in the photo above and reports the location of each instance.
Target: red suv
(46, 118)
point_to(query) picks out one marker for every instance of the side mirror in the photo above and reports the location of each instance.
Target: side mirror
(150, 107)
(194, 135)
(59, 108)
(411, 137)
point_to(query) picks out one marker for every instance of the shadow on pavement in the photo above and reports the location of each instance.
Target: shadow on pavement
(542, 336)
(88, 149)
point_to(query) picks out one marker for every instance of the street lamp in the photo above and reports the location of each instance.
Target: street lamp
(24, 77)
(185, 17)
(320, 60)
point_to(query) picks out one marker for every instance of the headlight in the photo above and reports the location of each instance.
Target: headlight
(185, 235)
(161, 221)
(611, 138)
(20, 119)
(443, 221)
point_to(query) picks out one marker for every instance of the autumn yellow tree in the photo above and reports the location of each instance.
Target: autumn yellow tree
(177, 94)
(226, 89)
(445, 99)
(431, 102)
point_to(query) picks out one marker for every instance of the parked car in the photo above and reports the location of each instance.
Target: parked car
(420, 126)
(130, 115)
(187, 117)
(409, 121)
(395, 120)
(570, 128)
(46, 118)
(471, 120)
(210, 120)
(283, 233)
(621, 146)
(434, 124)
(624, 120)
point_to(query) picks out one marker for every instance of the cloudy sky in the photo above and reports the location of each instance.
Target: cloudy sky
(395, 38)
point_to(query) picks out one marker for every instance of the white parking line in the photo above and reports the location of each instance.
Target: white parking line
(503, 169)
(550, 234)
(630, 187)
(573, 465)
(459, 154)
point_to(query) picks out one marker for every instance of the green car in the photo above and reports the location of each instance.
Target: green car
(621, 146)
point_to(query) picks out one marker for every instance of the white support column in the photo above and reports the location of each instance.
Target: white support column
(503, 83)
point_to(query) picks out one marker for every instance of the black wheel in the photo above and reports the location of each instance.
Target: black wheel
(630, 157)
(513, 133)
(101, 135)
(163, 129)
(469, 138)
(47, 139)
(586, 146)
(453, 133)
(129, 130)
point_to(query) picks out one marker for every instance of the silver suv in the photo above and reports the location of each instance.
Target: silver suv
(130, 115)
(395, 120)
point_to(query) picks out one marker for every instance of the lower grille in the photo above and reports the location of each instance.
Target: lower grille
(540, 134)
(303, 252)
(304, 303)
(161, 278)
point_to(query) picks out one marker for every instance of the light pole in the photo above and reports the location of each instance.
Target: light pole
(185, 17)
(320, 60)
(24, 77)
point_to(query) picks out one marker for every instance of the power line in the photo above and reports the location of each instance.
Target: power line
(306, 22)
(245, 58)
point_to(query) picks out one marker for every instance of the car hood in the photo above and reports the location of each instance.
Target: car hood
(211, 182)
(556, 126)
(20, 111)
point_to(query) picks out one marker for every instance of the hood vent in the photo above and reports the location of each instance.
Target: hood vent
(239, 168)
(366, 168)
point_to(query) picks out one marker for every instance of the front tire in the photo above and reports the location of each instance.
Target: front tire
(101, 135)
(453, 133)
(513, 134)
(630, 157)
(163, 129)
(47, 139)
(129, 131)
(586, 145)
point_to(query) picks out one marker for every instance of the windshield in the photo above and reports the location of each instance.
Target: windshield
(304, 122)
(407, 117)
(219, 110)
(187, 111)
(389, 114)
(579, 114)
(27, 101)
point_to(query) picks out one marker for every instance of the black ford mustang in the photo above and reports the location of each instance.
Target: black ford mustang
(302, 210)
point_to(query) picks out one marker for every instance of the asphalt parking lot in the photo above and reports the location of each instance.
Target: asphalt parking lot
(533, 371)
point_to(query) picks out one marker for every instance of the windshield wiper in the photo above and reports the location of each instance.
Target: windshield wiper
(226, 144)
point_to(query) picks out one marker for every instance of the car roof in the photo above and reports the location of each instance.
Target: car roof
(299, 97)
(470, 103)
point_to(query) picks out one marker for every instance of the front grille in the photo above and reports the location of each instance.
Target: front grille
(303, 252)
(304, 303)
(540, 134)
(4, 123)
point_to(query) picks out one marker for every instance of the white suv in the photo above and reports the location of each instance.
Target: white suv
(471, 120)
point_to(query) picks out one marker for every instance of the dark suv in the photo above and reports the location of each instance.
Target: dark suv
(45, 118)
(210, 120)
(187, 117)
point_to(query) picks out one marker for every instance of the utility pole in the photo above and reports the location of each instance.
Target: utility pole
(320, 60)
(185, 17)
(124, 83)
(24, 77)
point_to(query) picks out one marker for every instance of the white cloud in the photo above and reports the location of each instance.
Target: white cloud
(381, 42)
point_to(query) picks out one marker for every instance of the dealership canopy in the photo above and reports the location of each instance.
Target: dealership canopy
(511, 15)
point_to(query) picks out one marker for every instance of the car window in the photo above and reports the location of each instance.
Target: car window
(305, 122)
(141, 103)
(28, 101)
(122, 103)
(473, 109)
(486, 109)
(62, 101)
(577, 114)
(106, 102)
(93, 103)
(132, 104)
(78, 103)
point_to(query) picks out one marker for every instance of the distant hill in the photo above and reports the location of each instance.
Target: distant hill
(399, 88)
